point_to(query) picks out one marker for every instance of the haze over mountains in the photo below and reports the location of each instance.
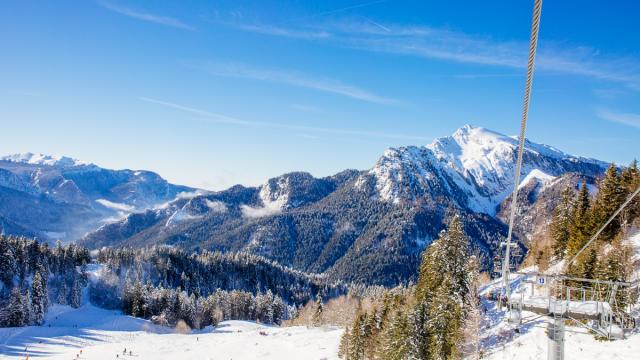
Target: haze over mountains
(59, 198)
(367, 226)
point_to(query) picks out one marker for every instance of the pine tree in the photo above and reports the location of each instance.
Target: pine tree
(418, 333)
(76, 293)
(631, 181)
(343, 348)
(356, 338)
(316, 320)
(28, 308)
(136, 299)
(447, 255)
(397, 338)
(611, 195)
(446, 320)
(470, 349)
(62, 293)
(562, 222)
(442, 286)
(581, 226)
(369, 332)
(39, 296)
(7, 263)
(15, 310)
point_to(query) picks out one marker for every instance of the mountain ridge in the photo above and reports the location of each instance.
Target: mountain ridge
(364, 226)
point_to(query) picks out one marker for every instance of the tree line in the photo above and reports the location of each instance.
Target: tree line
(430, 320)
(580, 214)
(32, 275)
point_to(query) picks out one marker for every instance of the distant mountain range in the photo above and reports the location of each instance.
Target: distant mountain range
(59, 198)
(364, 226)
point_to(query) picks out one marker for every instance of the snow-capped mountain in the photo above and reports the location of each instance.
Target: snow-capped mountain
(474, 166)
(365, 226)
(57, 197)
(42, 159)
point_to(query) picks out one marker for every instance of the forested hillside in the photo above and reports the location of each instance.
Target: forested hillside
(33, 275)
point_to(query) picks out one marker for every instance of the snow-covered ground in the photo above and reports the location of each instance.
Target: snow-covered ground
(501, 342)
(103, 334)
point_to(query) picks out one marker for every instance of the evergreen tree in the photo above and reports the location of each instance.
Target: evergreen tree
(39, 296)
(397, 342)
(356, 343)
(15, 311)
(418, 332)
(76, 293)
(446, 320)
(472, 324)
(581, 226)
(62, 293)
(444, 281)
(7, 263)
(317, 314)
(561, 222)
(631, 181)
(611, 195)
(447, 256)
(28, 308)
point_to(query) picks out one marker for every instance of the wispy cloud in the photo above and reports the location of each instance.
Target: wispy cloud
(621, 118)
(144, 16)
(285, 32)
(223, 119)
(306, 108)
(448, 45)
(307, 136)
(293, 78)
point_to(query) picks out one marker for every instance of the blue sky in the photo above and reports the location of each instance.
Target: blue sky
(214, 93)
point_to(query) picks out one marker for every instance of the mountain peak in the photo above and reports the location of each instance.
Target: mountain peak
(42, 159)
(474, 165)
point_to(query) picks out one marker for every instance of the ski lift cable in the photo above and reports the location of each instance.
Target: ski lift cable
(533, 43)
(595, 236)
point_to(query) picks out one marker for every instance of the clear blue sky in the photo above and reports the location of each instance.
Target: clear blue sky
(213, 93)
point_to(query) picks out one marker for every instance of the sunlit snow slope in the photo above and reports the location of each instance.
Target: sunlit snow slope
(103, 334)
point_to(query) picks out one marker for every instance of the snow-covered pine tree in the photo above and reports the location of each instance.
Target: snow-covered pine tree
(396, 343)
(356, 343)
(76, 293)
(28, 308)
(14, 313)
(62, 293)
(444, 327)
(611, 194)
(7, 263)
(472, 325)
(39, 296)
(582, 224)
(418, 332)
(561, 222)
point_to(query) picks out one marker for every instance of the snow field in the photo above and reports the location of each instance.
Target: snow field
(103, 334)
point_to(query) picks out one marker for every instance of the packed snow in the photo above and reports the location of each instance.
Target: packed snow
(94, 333)
(501, 342)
